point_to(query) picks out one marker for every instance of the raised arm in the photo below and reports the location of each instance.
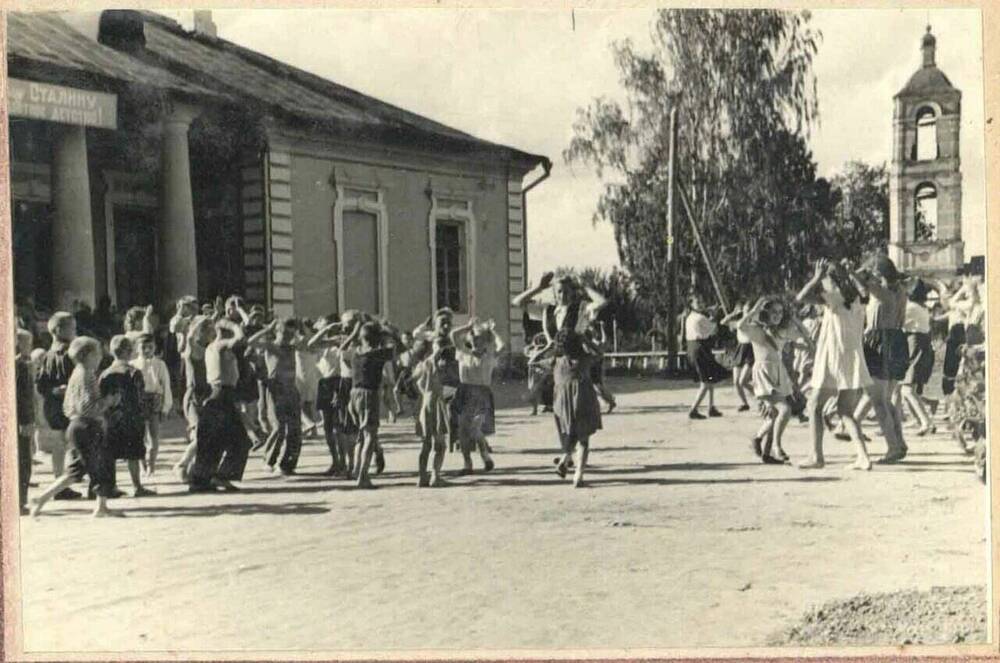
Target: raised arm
(458, 332)
(809, 293)
(264, 336)
(351, 337)
(235, 329)
(528, 296)
(320, 339)
(597, 300)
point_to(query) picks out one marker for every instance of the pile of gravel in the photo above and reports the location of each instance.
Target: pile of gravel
(941, 616)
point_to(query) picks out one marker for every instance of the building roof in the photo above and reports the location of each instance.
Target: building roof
(42, 43)
(208, 67)
(275, 85)
(927, 80)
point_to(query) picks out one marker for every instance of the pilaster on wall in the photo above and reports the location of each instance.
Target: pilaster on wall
(254, 226)
(516, 261)
(267, 231)
(282, 256)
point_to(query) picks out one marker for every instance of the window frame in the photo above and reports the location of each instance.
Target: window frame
(353, 197)
(917, 197)
(921, 126)
(453, 208)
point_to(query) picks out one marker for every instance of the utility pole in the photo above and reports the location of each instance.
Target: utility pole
(671, 262)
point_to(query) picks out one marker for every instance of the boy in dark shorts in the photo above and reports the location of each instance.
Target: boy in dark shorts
(366, 375)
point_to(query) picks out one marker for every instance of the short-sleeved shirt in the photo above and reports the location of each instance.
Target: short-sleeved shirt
(918, 319)
(366, 367)
(221, 365)
(477, 370)
(697, 327)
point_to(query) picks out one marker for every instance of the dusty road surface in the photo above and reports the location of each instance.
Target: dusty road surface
(681, 539)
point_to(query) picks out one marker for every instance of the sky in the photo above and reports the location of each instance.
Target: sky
(517, 77)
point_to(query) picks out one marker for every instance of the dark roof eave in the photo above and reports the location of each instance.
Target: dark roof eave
(58, 74)
(411, 137)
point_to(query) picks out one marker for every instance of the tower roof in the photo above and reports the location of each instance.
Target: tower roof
(928, 79)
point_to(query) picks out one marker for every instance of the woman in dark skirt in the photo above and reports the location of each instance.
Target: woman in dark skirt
(887, 354)
(126, 426)
(576, 408)
(698, 331)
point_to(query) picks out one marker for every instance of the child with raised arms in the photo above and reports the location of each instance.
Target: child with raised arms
(375, 348)
(433, 417)
(280, 343)
(326, 344)
(477, 356)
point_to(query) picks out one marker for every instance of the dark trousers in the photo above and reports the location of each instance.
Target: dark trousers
(223, 443)
(90, 455)
(284, 416)
(23, 467)
(952, 359)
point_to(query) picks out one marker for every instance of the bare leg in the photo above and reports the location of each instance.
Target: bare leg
(64, 481)
(484, 451)
(887, 420)
(582, 451)
(738, 386)
(861, 460)
(916, 405)
(367, 449)
(153, 430)
(101, 510)
(816, 427)
(702, 392)
(425, 453)
(439, 449)
(780, 422)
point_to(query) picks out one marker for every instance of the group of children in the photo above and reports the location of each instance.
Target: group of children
(853, 340)
(250, 385)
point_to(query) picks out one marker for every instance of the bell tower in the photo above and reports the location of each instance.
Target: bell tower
(925, 182)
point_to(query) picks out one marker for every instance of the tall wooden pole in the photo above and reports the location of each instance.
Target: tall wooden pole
(671, 262)
(709, 265)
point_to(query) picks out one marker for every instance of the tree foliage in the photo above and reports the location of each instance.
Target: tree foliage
(860, 216)
(745, 94)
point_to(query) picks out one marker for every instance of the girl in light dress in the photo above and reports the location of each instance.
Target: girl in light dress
(477, 360)
(839, 370)
(768, 327)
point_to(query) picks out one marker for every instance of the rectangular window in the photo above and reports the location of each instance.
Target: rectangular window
(450, 261)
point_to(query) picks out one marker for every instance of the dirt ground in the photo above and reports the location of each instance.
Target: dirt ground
(681, 539)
